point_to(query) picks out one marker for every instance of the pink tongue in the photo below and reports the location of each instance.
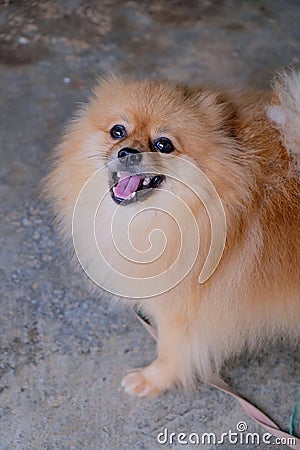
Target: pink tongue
(126, 186)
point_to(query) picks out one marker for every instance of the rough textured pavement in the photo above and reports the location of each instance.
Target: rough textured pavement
(63, 350)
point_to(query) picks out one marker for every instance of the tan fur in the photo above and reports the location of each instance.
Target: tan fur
(253, 296)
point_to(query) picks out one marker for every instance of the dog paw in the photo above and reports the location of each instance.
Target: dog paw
(138, 382)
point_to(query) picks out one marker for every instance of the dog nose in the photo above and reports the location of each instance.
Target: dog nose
(130, 156)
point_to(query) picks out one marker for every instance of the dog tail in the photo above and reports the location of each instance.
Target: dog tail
(286, 114)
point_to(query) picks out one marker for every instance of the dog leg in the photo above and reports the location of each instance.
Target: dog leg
(163, 373)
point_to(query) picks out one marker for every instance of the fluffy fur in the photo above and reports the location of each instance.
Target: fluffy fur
(249, 147)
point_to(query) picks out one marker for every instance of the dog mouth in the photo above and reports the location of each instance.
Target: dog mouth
(128, 188)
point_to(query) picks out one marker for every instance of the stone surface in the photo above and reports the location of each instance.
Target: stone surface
(63, 351)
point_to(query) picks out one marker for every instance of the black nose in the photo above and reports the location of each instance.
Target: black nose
(130, 156)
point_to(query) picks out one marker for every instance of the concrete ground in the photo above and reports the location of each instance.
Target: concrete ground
(64, 351)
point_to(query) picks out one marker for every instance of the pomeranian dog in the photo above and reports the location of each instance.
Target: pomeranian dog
(161, 152)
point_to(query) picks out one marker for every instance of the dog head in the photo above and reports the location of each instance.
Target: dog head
(135, 126)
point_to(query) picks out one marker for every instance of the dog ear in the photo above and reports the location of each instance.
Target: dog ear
(220, 110)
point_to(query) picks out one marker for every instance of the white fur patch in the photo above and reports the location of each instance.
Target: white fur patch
(286, 117)
(276, 115)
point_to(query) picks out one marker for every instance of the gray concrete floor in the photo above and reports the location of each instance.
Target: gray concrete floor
(63, 351)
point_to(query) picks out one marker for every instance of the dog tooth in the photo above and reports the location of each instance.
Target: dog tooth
(146, 181)
(132, 195)
(119, 174)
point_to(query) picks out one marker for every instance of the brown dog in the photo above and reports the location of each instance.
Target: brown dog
(248, 147)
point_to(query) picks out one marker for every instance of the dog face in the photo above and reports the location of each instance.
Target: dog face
(135, 126)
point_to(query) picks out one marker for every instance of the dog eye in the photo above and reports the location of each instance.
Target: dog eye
(118, 132)
(164, 145)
